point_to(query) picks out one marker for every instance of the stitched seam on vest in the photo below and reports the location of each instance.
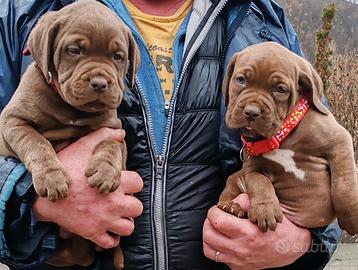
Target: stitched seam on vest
(194, 163)
(188, 210)
(198, 13)
(191, 111)
(208, 57)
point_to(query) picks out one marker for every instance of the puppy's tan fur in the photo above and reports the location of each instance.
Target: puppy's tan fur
(86, 51)
(322, 150)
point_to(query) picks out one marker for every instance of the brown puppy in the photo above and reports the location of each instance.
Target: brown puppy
(82, 54)
(84, 50)
(312, 175)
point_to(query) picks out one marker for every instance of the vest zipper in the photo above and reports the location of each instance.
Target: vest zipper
(153, 145)
(159, 163)
(158, 213)
(159, 203)
(156, 206)
(166, 107)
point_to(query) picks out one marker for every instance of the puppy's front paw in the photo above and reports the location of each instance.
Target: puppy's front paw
(52, 183)
(266, 215)
(103, 175)
(231, 208)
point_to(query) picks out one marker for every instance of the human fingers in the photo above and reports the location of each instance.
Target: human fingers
(222, 257)
(105, 240)
(124, 206)
(95, 137)
(232, 266)
(239, 267)
(217, 240)
(243, 200)
(131, 182)
(122, 226)
(230, 225)
(214, 254)
(81, 150)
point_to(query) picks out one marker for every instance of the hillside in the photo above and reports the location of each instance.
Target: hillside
(305, 16)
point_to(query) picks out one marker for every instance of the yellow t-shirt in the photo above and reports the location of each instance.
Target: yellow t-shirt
(159, 33)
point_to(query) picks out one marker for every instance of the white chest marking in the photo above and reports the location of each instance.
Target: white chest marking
(284, 157)
(76, 123)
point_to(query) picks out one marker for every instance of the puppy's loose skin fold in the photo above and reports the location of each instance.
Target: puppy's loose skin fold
(82, 54)
(312, 176)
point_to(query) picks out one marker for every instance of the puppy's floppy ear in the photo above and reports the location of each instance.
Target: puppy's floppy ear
(309, 81)
(41, 40)
(133, 57)
(227, 78)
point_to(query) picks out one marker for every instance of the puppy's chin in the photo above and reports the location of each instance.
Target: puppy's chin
(94, 106)
(255, 135)
(91, 101)
(250, 135)
(255, 131)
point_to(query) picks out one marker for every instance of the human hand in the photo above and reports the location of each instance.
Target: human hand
(243, 246)
(85, 212)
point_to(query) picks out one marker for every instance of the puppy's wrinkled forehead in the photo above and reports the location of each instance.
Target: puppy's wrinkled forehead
(88, 20)
(264, 60)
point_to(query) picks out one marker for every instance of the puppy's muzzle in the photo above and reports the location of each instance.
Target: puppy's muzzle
(99, 84)
(252, 112)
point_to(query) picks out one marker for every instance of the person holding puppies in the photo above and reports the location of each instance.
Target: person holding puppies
(180, 152)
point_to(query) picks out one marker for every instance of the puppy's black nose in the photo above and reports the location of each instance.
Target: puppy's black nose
(252, 112)
(99, 83)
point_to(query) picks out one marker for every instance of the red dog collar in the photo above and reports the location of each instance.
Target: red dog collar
(54, 87)
(268, 145)
(26, 51)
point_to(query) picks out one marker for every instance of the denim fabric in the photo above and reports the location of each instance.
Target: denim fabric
(11, 171)
(23, 233)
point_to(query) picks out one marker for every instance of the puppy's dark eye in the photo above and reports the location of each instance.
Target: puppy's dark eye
(280, 89)
(119, 56)
(74, 50)
(241, 80)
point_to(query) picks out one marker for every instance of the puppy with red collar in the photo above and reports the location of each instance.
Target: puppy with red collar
(298, 161)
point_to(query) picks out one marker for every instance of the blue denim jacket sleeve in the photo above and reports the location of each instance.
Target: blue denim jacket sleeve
(266, 21)
(23, 241)
(11, 170)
